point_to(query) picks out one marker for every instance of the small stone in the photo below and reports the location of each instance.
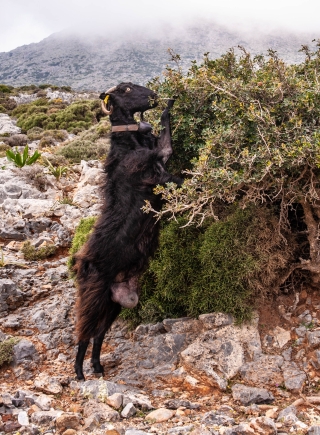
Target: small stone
(115, 400)
(43, 418)
(314, 430)
(294, 378)
(48, 384)
(128, 411)
(288, 415)
(23, 418)
(272, 413)
(313, 337)
(214, 320)
(70, 432)
(160, 415)
(264, 425)
(134, 432)
(68, 421)
(281, 336)
(215, 418)
(247, 395)
(44, 402)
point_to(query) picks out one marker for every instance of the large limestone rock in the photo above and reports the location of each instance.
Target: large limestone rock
(7, 126)
(217, 354)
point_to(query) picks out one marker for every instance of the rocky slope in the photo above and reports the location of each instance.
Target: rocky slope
(96, 63)
(198, 376)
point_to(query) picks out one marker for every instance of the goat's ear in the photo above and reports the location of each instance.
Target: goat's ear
(102, 96)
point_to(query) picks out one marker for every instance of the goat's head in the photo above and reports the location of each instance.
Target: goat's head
(123, 101)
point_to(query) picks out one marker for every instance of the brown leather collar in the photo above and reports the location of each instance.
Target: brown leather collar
(128, 127)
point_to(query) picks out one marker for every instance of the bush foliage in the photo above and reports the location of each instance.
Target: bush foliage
(251, 126)
(80, 237)
(56, 115)
(6, 350)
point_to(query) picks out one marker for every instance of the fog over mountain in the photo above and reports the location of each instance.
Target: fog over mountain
(96, 62)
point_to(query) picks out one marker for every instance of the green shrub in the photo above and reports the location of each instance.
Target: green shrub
(57, 116)
(35, 133)
(227, 266)
(5, 89)
(34, 254)
(2, 109)
(6, 350)
(92, 144)
(81, 235)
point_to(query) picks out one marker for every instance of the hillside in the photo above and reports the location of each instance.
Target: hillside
(99, 62)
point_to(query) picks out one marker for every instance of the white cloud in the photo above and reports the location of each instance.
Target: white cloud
(25, 22)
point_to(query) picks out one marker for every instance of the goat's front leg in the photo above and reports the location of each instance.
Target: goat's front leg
(96, 350)
(164, 146)
(78, 366)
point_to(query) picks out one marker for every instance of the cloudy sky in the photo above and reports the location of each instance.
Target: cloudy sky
(24, 22)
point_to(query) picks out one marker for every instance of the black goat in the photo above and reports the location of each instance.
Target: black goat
(110, 263)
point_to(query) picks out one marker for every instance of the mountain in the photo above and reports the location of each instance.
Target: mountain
(96, 63)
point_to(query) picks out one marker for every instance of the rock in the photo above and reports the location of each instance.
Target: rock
(43, 418)
(68, 420)
(215, 418)
(10, 296)
(70, 432)
(24, 350)
(48, 384)
(7, 126)
(281, 336)
(313, 337)
(136, 432)
(91, 423)
(288, 415)
(115, 400)
(248, 395)
(179, 430)
(100, 389)
(214, 320)
(102, 411)
(264, 426)
(241, 429)
(44, 402)
(176, 403)
(314, 430)
(23, 418)
(217, 355)
(294, 378)
(160, 415)
(266, 370)
(140, 400)
(128, 411)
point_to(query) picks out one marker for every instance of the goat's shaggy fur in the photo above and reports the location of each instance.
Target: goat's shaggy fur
(124, 237)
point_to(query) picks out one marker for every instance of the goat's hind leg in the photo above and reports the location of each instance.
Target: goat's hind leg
(164, 141)
(78, 366)
(96, 350)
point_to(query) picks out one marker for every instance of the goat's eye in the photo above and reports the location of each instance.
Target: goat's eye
(128, 90)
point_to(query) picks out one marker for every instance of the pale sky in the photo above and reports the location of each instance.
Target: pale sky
(24, 22)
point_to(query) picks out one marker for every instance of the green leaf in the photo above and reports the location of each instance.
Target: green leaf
(33, 158)
(25, 154)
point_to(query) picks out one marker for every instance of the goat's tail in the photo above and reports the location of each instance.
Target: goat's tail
(95, 311)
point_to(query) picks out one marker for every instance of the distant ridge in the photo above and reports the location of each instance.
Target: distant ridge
(99, 62)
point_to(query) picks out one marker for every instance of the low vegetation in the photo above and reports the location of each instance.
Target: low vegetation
(80, 237)
(6, 350)
(23, 158)
(32, 253)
